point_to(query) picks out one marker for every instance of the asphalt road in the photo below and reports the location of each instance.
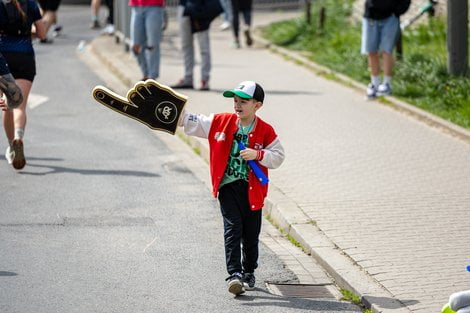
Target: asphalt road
(105, 218)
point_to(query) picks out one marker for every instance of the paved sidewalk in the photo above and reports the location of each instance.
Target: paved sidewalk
(379, 198)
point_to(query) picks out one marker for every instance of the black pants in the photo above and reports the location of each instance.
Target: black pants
(110, 5)
(241, 228)
(243, 6)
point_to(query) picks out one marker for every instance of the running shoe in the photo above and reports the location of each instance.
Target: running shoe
(248, 39)
(235, 284)
(249, 281)
(18, 161)
(384, 90)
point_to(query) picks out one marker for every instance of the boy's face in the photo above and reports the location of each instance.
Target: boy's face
(245, 108)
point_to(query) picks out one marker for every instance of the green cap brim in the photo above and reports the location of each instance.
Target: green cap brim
(241, 94)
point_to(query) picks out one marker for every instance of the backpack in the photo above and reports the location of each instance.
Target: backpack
(16, 23)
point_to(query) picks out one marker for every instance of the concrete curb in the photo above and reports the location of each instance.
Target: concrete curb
(347, 275)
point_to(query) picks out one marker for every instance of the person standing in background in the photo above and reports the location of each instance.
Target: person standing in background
(146, 33)
(49, 15)
(17, 48)
(95, 16)
(195, 18)
(244, 7)
(380, 30)
(227, 15)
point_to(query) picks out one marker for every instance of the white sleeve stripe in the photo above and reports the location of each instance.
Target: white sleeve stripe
(273, 154)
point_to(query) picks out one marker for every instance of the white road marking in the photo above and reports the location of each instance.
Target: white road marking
(35, 100)
(145, 250)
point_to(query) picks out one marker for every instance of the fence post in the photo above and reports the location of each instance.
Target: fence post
(122, 19)
(321, 21)
(399, 45)
(308, 11)
(457, 36)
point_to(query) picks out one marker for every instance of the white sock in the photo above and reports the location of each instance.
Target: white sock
(375, 80)
(387, 79)
(19, 133)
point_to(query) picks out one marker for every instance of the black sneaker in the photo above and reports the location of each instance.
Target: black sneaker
(249, 281)
(235, 284)
(249, 40)
(182, 84)
(19, 160)
(95, 24)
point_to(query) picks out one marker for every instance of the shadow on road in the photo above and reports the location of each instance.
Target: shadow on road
(61, 169)
(5, 273)
(295, 303)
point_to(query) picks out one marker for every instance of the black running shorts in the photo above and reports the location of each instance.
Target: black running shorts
(49, 5)
(21, 65)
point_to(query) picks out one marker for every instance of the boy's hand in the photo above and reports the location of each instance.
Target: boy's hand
(153, 104)
(249, 154)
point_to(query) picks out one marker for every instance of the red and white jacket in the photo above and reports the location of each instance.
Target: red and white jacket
(220, 129)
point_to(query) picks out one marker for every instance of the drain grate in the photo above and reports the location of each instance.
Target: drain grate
(300, 290)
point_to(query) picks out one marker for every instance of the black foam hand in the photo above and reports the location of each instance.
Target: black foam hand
(153, 104)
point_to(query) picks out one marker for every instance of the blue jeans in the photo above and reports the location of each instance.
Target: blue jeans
(227, 6)
(146, 31)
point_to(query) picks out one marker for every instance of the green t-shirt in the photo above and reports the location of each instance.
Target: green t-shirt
(237, 168)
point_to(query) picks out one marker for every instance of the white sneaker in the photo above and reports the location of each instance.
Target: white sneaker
(371, 91)
(108, 30)
(384, 90)
(9, 155)
(225, 25)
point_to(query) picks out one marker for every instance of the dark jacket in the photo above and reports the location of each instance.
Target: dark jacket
(201, 12)
(380, 9)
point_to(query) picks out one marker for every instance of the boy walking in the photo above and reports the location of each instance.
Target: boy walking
(241, 195)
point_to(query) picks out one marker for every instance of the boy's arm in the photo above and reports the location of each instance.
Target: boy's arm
(272, 155)
(196, 124)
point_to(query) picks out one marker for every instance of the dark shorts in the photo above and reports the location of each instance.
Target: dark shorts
(21, 65)
(49, 5)
(3, 66)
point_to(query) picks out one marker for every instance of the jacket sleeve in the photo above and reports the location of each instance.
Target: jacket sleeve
(273, 154)
(196, 124)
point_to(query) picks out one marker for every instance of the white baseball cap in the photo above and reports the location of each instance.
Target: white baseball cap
(246, 90)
